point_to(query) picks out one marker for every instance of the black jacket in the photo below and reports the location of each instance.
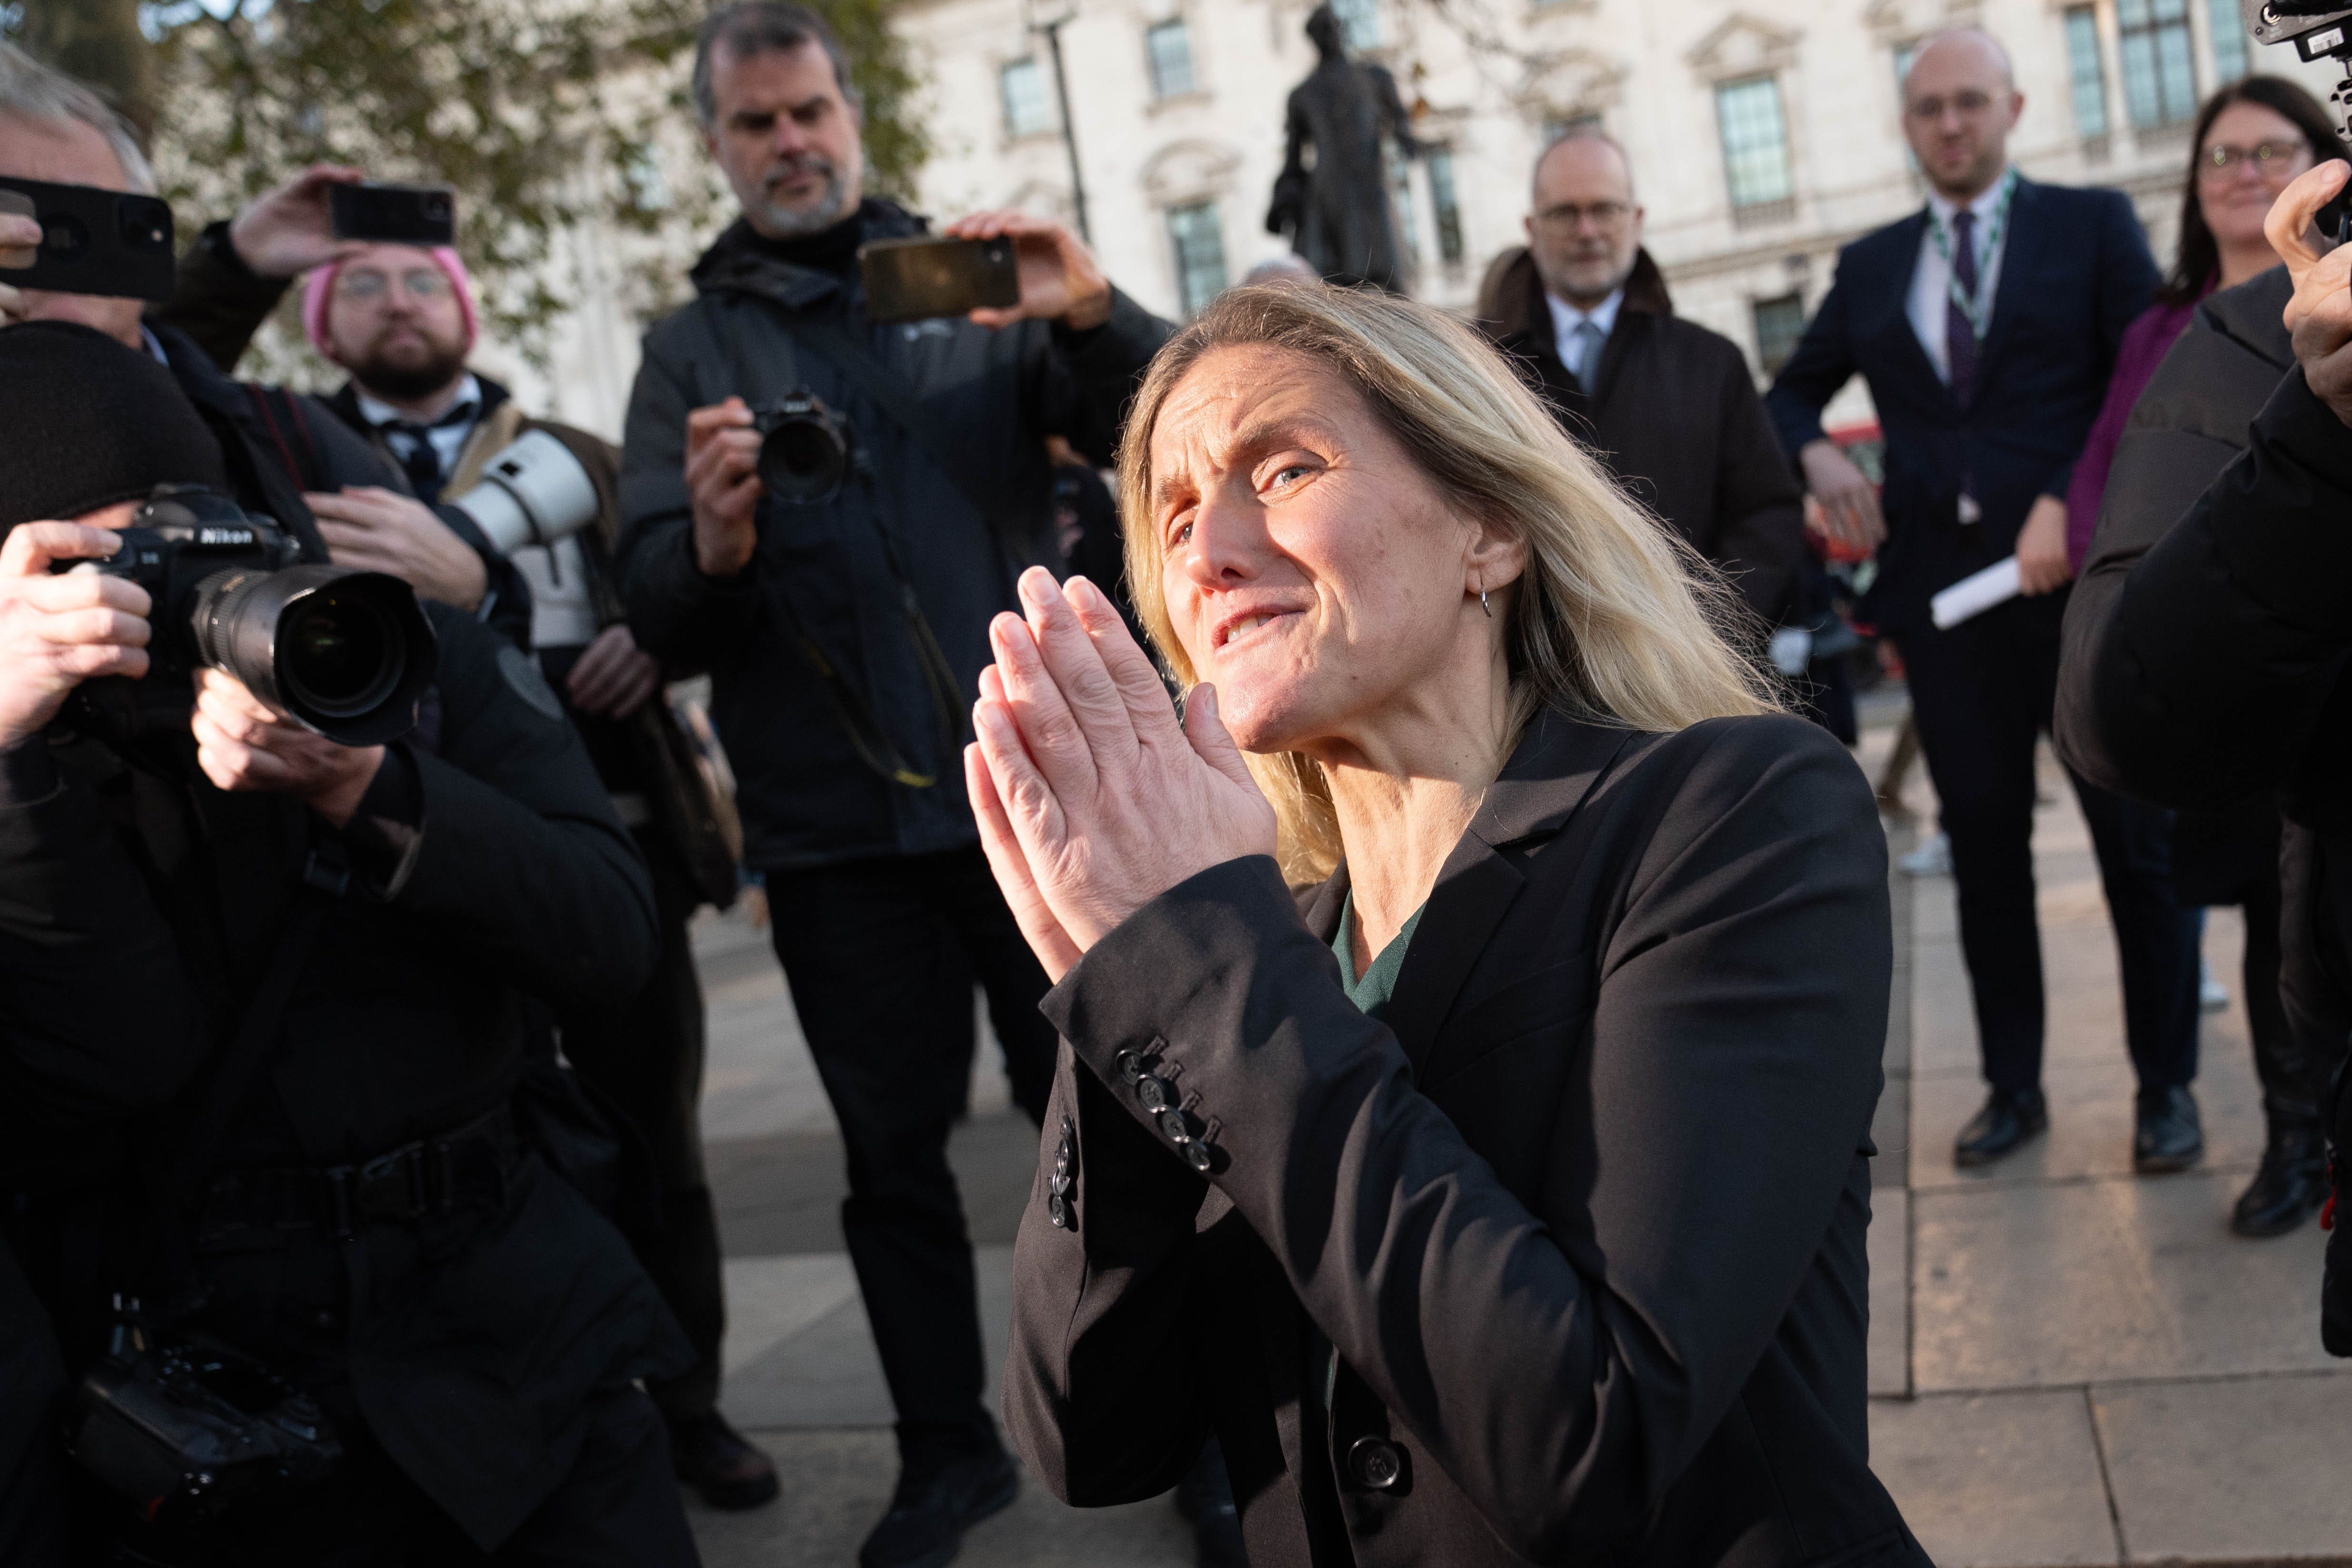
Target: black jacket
(489, 868)
(1585, 1220)
(2208, 639)
(1674, 413)
(994, 396)
(2075, 272)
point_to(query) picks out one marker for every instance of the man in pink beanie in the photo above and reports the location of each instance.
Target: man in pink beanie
(401, 319)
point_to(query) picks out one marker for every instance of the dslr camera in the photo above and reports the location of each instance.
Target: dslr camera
(807, 452)
(346, 653)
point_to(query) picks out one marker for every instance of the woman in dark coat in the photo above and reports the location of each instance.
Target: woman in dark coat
(1502, 1198)
(2251, 137)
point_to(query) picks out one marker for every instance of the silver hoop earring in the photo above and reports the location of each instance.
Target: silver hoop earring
(1483, 605)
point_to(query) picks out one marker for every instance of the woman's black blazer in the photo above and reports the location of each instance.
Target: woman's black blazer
(1584, 1221)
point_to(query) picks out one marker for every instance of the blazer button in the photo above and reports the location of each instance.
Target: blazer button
(1061, 1158)
(1198, 1157)
(1155, 1095)
(1057, 1210)
(1061, 1181)
(1129, 1066)
(1375, 1463)
(1174, 1126)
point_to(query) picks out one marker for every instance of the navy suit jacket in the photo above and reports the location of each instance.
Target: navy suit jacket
(2076, 271)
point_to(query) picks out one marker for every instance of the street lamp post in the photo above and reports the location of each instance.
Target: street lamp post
(1052, 30)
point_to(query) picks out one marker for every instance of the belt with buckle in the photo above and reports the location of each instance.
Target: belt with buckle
(463, 1169)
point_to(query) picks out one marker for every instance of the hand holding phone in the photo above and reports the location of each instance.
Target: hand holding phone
(20, 232)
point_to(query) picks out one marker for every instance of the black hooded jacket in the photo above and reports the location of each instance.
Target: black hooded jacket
(824, 572)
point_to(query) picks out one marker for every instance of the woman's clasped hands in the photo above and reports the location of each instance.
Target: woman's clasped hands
(1092, 798)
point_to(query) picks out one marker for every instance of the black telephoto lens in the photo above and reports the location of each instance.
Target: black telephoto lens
(347, 652)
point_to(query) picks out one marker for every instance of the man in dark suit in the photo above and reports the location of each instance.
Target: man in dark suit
(1987, 326)
(1668, 405)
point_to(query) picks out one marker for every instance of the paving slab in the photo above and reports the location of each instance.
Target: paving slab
(837, 1483)
(2238, 1471)
(2096, 1281)
(825, 1372)
(1890, 1290)
(2002, 1480)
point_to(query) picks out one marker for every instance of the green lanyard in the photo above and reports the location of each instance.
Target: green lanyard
(1976, 307)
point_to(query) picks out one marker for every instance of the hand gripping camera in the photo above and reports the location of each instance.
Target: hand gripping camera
(347, 652)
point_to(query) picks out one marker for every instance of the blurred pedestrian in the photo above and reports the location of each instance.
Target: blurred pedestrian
(2162, 436)
(1670, 406)
(1987, 326)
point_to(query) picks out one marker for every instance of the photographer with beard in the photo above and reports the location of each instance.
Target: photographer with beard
(401, 319)
(350, 1194)
(844, 639)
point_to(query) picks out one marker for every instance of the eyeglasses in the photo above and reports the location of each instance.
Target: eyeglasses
(1564, 218)
(2272, 159)
(366, 282)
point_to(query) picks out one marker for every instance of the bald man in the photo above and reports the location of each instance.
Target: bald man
(1669, 405)
(1986, 326)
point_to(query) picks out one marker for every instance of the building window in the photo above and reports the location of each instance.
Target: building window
(1443, 196)
(2229, 41)
(1022, 84)
(2086, 73)
(1170, 47)
(1779, 323)
(1755, 147)
(1360, 23)
(2159, 80)
(1199, 237)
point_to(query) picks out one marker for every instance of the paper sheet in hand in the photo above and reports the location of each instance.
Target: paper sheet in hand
(1975, 594)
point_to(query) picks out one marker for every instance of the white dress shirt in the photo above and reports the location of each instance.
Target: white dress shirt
(1566, 319)
(562, 614)
(1931, 281)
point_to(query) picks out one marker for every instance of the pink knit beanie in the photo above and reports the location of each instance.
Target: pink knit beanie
(318, 288)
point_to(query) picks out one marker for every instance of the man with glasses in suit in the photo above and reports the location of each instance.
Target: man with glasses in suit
(1987, 326)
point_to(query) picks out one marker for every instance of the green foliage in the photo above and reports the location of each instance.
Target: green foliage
(549, 118)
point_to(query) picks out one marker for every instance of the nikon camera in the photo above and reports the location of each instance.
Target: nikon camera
(346, 653)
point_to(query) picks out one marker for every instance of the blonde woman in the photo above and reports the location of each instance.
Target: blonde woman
(1501, 1196)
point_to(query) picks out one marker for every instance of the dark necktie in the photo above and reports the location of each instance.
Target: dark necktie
(423, 460)
(1960, 332)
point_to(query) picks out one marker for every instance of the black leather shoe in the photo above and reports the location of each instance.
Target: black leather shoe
(934, 1506)
(2290, 1186)
(720, 1463)
(2010, 1117)
(1205, 1497)
(2168, 1137)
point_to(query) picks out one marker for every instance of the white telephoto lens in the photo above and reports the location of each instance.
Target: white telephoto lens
(533, 493)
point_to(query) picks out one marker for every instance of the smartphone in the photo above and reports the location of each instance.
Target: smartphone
(92, 241)
(909, 279)
(397, 214)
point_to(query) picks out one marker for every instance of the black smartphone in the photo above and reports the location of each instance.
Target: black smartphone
(909, 279)
(92, 241)
(397, 214)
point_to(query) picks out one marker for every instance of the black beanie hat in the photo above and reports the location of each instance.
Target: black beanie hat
(85, 422)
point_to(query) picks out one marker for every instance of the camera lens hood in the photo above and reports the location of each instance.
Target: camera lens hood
(347, 652)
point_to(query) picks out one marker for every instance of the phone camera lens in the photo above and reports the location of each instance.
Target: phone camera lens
(64, 235)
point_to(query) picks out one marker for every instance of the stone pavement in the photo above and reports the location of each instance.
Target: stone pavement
(2069, 1364)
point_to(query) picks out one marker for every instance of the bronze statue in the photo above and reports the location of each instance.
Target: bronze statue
(1337, 212)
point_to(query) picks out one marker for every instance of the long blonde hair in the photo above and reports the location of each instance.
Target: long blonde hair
(1616, 622)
